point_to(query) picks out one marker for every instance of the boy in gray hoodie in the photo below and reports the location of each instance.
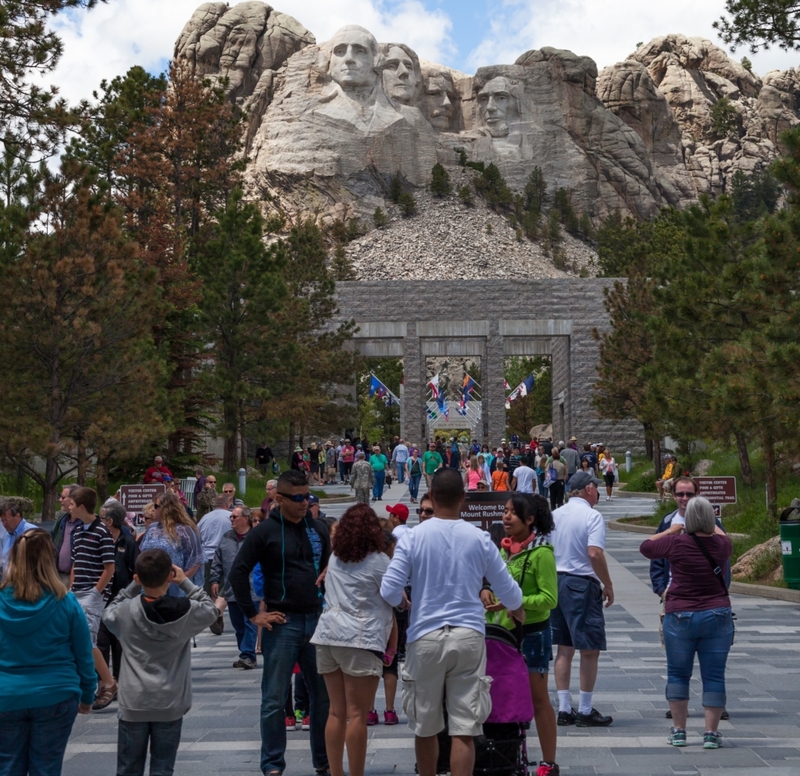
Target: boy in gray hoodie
(155, 686)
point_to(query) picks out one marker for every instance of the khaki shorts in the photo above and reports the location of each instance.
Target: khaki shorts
(348, 660)
(448, 663)
(92, 604)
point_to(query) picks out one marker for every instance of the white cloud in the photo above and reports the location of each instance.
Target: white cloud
(607, 31)
(114, 36)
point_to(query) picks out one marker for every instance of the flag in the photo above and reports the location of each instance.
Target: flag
(523, 389)
(468, 384)
(433, 384)
(442, 404)
(506, 385)
(377, 388)
(432, 415)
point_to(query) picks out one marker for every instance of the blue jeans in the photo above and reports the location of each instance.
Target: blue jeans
(413, 485)
(281, 648)
(33, 741)
(133, 739)
(246, 632)
(401, 472)
(377, 488)
(709, 634)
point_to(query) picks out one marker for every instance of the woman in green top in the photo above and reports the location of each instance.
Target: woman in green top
(528, 553)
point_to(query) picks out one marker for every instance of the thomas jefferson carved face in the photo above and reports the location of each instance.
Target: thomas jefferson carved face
(353, 55)
(399, 77)
(494, 101)
(437, 101)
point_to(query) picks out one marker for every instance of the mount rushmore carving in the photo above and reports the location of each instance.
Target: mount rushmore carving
(329, 124)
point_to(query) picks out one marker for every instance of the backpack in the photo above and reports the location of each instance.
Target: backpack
(552, 475)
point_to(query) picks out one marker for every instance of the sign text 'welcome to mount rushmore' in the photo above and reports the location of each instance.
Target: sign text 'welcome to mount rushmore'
(329, 124)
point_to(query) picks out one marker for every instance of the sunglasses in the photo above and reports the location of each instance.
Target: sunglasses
(685, 494)
(298, 498)
(424, 511)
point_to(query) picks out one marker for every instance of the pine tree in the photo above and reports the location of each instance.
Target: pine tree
(440, 181)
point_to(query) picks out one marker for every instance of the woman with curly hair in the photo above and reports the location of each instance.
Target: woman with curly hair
(175, 532)
(352, 635)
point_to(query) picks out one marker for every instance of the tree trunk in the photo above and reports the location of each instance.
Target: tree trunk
(50, 488)
(83, 462)
(231, 454)
(771, 473)
(291, 438)
(648, 442)
(657, 464)
(103, 461)
(242, 438)
(744, 458)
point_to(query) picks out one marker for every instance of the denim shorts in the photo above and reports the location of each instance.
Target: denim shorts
(537, 649)
(578, 620)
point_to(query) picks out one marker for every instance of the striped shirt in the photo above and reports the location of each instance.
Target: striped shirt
(92, 547)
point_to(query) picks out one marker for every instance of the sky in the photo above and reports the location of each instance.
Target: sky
(464, 34)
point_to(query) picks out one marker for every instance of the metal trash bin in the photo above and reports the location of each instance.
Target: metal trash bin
(790, 545)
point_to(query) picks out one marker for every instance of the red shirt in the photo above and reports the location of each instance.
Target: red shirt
(157, 474)
(693, 585)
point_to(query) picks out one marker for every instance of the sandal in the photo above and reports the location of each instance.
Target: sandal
(104, 697)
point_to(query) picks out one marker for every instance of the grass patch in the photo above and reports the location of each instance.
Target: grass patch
(641, 478)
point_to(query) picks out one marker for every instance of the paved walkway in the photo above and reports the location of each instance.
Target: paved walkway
(221, 734)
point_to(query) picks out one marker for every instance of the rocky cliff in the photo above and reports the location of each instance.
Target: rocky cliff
(330, 124)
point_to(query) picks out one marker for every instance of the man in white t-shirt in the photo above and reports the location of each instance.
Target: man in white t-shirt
(445, 560)
(523, 479)
(577, 621)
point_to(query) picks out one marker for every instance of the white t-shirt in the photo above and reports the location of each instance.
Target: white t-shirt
(525, 476)
(445, 562)
(399, 530)
(578, 526)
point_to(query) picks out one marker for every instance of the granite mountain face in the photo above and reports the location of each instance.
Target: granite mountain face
(330, 124)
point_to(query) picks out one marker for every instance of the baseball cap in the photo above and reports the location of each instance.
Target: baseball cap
(400, 511)
(312, 499)
(167, 478)
(581, 479)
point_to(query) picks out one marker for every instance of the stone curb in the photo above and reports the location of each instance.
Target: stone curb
(337, 500)
(622, 492)
(616, 525)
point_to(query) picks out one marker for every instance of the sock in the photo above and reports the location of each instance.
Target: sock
(586, 703)
(564, 701)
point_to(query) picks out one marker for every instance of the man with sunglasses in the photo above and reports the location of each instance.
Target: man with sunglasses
(292, 549)
(684, 489)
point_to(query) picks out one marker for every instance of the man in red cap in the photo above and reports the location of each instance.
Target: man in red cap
(398, 514)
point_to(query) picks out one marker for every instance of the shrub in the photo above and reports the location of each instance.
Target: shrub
(408, 205)
(466, 196)
(440, 181)
(379, 218)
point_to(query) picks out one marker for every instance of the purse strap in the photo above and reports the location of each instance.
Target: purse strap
(714, 566)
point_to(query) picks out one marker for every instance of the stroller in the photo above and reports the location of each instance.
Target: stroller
(502, 750)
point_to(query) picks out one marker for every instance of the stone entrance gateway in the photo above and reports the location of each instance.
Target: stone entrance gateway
(491, 319)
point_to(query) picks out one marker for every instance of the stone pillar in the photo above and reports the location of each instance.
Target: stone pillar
(414, 422)
(494, 394)
(561, 383)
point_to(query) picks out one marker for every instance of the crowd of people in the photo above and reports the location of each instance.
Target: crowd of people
(102, 611)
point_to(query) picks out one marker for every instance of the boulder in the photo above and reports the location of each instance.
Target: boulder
(751, 564)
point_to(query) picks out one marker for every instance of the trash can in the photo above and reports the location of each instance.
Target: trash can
(790, 546)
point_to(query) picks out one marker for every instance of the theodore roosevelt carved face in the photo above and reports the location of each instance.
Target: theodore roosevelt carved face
(437, 101)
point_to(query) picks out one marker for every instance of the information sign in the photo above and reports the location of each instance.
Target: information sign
(136, 497)
(484, 507)
(718, 490)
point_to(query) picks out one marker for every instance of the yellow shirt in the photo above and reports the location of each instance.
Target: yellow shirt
(668, 471)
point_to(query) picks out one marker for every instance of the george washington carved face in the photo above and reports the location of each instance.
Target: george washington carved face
(354, 55)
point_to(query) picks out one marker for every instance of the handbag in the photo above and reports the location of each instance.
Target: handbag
(718, 574)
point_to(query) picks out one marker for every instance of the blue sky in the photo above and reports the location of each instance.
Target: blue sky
(463, 34)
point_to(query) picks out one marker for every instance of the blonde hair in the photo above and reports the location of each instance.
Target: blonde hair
(173, 514)
(473, 463)
(31, 568)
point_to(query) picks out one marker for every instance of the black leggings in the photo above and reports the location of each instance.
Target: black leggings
(556, 494)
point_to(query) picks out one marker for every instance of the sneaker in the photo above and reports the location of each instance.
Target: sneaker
(725, 714)
(306, 725)
(595, 719)
(218, 626)
(548, 769)
(291, 723)
(677, 737)
(372, 718)
(390, 718)
(238, 663)
(567, 717)
(668, 715)
(247, 663)
(712, 740)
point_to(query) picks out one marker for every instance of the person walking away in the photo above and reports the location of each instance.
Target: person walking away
(362, 478)
(400, 455)
(523, 479)
(556, 479)
(93, 565)
(500, 476)
(445, 560)
(330, 463)
(214, 525)
(379, 465)
(47, 672)
(608, 468)
(473, 475)
(577, 621)
(156, 629)
(112, 513)
(293, 550)
(432, 461)
(698, 615)
(414, 472)
(264, 457)
(240, 522)
(569, 455)
(352, 631)
(62, 535)
(528, 553)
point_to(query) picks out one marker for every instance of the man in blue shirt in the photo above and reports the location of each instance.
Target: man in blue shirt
(14, 526)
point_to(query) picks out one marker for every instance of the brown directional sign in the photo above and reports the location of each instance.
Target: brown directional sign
(136, 497)
(484, 507)
(718, 490)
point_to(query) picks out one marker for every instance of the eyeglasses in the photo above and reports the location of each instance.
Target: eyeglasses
(424, 511)
(298, 498)
(685, 494)
(228, 492)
